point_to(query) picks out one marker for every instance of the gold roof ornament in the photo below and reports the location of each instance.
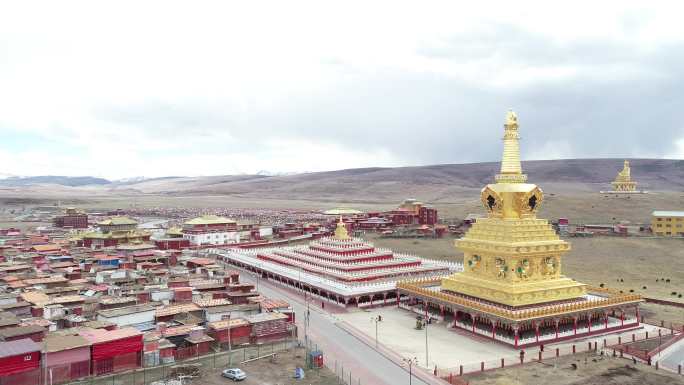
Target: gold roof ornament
(341, 231)
(511, 169)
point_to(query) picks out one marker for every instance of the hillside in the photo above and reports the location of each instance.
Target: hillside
(431, 183)
(439, 184)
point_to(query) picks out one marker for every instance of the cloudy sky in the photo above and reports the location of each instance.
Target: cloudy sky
(146, 88)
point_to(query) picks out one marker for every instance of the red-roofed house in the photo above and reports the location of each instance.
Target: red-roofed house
(230, 332)
(19, 362)
(114, 350)
(47, 249)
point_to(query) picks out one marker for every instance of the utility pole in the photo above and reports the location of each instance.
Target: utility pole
(425, 326)
(410, 362)
(377, 319)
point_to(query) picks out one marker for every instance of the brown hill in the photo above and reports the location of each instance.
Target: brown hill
(430, 183)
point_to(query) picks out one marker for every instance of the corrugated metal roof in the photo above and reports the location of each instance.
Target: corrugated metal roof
(55, 343)
(212, 302)
(176, 309)
(96, 336)
(270, 304)
(668, 213)
(121, 311)
(224, 324)
(14, 348)
(20, 331)
(264, 317)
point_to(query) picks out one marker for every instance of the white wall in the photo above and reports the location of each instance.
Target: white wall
(129, 319)
(158, 296)
(266, 231)
(213, 238)
(211, 317)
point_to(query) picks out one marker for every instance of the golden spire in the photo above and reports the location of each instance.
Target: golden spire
(511, 170)
(341, 230)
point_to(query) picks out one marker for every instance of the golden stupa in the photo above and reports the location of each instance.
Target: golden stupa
(623, 181)
(341, 232)
(511, 257)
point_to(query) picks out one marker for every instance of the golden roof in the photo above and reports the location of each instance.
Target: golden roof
(342, 211)
(118, 220)
(210, 220)
(113, 234)
(174, 231)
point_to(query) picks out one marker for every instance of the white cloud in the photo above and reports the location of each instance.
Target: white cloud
(160, 87)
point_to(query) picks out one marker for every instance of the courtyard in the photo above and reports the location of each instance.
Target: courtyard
(449, 348)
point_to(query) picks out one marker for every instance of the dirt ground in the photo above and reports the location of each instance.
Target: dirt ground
(635, 262)
(23, 226)
(621, 263)
(669, 314)
(441, 248)
(281, 372)
(591, 370)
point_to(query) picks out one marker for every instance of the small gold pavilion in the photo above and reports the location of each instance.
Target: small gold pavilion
(511, 287)
(623, 181)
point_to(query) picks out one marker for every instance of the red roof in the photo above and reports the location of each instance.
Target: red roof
(202, 261)
(270, 304)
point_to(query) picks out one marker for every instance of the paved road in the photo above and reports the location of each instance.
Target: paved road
(338, 346)
(674, 358)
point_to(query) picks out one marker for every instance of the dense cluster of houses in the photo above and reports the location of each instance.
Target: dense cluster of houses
(69, 311)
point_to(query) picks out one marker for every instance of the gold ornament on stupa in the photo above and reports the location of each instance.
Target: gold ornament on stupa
(623, 181)
(512, 257)
(341, 232)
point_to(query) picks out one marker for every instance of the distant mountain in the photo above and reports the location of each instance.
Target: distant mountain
(275, 173)
(430, 183)
(71, 181)
(436, 183)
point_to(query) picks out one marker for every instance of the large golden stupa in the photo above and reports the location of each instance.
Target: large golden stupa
(512, 257)
(511, 288)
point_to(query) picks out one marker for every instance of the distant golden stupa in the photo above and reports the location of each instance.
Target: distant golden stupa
(623, 181)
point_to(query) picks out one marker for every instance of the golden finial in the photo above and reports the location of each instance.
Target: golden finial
(341, 230)
(511, 118)
(511, 170)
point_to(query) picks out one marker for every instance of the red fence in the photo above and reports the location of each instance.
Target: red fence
(185, 353)
(529, 356)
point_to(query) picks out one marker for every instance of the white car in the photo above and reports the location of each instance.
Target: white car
(234, 374)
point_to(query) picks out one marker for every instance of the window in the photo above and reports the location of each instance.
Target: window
(659, 225)
(660, 219)
(669, 219)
